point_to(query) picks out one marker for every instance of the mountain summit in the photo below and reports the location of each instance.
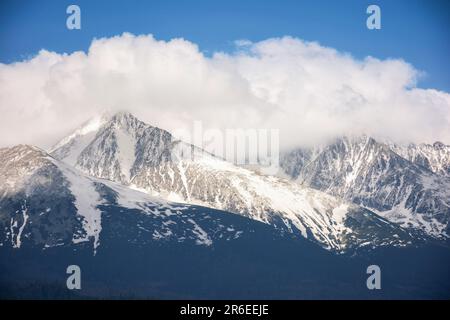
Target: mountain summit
(406, 185)
(125, 150)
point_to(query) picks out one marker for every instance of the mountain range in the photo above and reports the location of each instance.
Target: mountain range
(119, 190)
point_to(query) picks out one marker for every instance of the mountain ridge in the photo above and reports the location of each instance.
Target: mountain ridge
(369, 173)
(167, 167)
(47, 203)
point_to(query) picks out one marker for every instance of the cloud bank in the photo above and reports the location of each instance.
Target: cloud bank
(308, 91)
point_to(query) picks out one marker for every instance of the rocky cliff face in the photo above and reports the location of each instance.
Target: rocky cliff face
(406, 186)
(434, 157)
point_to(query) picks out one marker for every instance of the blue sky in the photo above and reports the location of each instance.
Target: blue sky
(415, 30)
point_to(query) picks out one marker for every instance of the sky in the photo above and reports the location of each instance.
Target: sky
(414, 30)
(397, 64)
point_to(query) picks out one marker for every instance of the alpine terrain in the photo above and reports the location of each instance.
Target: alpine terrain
(406, 185)
(146, 215)
(125, 150)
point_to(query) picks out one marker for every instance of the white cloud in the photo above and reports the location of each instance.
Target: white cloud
(308, 91)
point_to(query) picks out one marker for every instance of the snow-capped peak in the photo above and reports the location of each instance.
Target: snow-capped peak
(88, 127)
(408, 185)
(135, 154)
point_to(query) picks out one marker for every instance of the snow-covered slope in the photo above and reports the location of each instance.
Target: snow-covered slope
(372, 174)
(435, 157)
(130, 152)
(73, 144)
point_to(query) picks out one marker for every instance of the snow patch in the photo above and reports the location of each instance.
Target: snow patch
(18, 242)
(87, 200)
(126, 152)
(202, 236)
